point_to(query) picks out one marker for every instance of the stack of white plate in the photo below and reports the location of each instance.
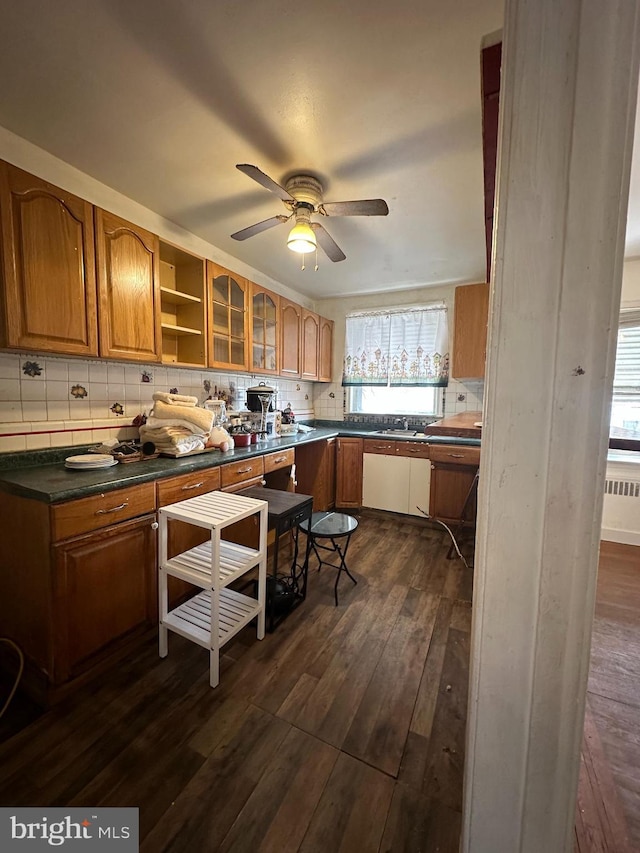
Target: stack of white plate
(89, 461)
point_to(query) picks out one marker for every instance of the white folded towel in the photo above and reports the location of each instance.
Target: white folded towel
(175, 399)
(158, 423)
(172, 439)
(201, 418)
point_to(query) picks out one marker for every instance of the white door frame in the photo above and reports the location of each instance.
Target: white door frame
(567, 107)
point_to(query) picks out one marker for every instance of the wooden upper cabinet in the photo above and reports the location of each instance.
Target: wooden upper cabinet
(310, 341)
(228, 319)
(471, 314)
(265, 327)
(325, 350)
(290, 344)
(128, 289)
(49, 291)
(183, 307)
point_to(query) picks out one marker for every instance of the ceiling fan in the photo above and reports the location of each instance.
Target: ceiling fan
(302, 196)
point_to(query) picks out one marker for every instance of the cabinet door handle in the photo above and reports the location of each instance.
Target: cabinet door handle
(413, 450)
(113, 509)
(382, 446)
(193, 486)
(244, 470)
(280, 459)
(456, 455)
(154, 525)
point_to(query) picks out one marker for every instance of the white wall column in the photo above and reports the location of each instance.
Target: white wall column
(567, 107)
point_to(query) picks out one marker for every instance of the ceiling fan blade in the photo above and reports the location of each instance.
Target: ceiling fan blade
(365, 207)
(265, 181)
(259, 226)
(327, 243)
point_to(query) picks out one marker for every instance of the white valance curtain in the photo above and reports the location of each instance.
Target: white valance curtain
(407, 347)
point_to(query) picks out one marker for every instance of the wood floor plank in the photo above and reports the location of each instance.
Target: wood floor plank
(445, 760)
(379, 729)
(297, 698)
(422, 720)
(352, 811)
(618, 728)
(76, 749)
(203, 813)
(417, 824)
(276, 816)
(599, 771)
(271, 675)
(331, 706)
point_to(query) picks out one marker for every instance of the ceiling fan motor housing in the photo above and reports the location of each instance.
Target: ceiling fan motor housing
(305, 189)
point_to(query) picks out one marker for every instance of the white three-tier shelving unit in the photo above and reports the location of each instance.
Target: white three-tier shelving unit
(216, 614)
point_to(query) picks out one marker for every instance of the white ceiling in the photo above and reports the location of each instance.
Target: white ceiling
(160, 100)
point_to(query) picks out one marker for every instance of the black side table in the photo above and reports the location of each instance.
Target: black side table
(286, 511)
(332, 526)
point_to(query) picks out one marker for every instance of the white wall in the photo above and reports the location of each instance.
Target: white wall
(336, 309)
(630, 296)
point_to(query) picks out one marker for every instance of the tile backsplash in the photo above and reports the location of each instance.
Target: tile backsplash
(47, 401)
(329, 399)
(463, 397)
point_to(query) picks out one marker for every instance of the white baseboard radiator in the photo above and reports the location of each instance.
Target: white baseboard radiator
(623, 488)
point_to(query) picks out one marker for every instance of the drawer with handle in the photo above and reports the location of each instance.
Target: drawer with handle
(379, 445)
(415, 449)
(86, 514)
(455, 454)
(181, 488)
(238, 472)
(282, 459)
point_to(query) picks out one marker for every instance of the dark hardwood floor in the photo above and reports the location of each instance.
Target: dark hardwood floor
(608, 808)
(342, 731)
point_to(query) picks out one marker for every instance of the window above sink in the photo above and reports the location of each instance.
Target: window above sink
(381, 400)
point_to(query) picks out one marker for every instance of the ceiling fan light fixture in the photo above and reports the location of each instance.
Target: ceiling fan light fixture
(302, 238)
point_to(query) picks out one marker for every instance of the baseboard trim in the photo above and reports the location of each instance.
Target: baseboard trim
(624, 537)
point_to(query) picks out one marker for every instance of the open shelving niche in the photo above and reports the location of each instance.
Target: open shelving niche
(215, 615)
(183, 307)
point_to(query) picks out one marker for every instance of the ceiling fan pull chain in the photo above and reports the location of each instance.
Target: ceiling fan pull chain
(315, 269)
(302, 267)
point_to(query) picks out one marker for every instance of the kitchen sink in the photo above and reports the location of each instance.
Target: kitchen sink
(405, 433)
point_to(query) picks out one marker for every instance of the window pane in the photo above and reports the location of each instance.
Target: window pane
(625, 405)
(394, 401)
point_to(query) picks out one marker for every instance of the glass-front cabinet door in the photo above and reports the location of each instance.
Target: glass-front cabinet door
(264, 330)
(228, 318)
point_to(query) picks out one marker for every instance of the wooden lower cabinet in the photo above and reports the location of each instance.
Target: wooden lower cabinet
(349, 473)
(453, 469)
(70, 599)
(316, 472)
(104, 587)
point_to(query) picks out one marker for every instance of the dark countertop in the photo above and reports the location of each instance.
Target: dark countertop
(53, 483)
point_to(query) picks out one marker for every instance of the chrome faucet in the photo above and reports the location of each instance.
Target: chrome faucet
(402, 422)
